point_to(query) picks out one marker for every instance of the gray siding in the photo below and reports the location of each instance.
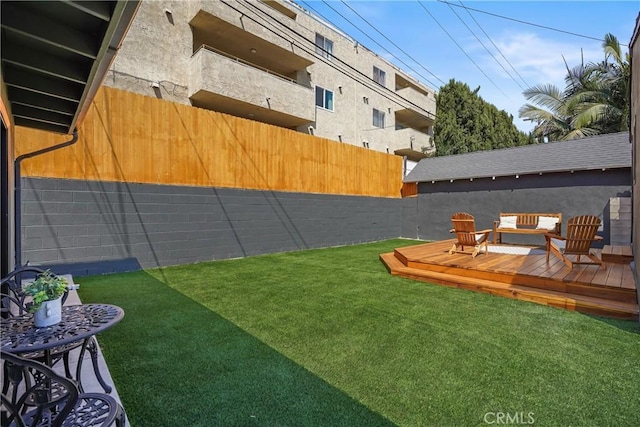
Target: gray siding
(572, 194)
(100, 227)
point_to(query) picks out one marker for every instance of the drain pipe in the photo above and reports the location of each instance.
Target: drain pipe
(18, 189)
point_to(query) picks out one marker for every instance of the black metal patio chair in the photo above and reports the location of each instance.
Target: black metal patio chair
(37, 396)
(14, 302)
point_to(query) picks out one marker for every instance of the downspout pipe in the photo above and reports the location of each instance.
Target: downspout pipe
(18, 190)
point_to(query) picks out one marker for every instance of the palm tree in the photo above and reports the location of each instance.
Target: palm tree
(593, 102)
(616, 76)
(556, 113)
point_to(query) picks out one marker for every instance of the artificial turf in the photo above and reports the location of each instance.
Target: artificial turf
(328, 337)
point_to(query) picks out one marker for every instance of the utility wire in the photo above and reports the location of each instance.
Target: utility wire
(526, 23)
(460, 47)
(494, 45)
(485, 47)
(390, 41)
(370, 38)
(367, 82)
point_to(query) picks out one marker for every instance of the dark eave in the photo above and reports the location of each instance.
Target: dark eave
(55, 55)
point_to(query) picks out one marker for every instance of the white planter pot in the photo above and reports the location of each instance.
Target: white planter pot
(49, 313)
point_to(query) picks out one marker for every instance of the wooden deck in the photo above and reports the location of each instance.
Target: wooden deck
(587, 289)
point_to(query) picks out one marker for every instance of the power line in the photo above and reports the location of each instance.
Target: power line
(390, 41)
(526, 22)
(370, 38)
(366, 35)
(497, 48)
(485, 47)
(367, 82)
(460, 47)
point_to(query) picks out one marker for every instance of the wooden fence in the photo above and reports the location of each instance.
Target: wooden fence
(133, 138)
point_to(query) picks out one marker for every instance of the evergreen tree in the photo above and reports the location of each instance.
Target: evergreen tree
(468, 123)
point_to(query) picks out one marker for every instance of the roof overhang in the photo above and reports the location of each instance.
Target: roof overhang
(457, 178)
(410, 154)
(55, 55)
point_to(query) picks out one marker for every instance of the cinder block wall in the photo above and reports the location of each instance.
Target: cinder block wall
(620, 220)
(572, 194)
(89, 227)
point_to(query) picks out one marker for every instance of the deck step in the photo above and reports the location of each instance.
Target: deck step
(618, 254)
(580, 303)
(567, 284)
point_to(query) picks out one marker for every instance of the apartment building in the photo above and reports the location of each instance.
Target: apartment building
(273, 61)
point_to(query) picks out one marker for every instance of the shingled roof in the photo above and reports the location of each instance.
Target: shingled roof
(598, 152)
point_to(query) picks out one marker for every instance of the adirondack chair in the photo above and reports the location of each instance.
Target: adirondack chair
(581, 233)
(464, 226)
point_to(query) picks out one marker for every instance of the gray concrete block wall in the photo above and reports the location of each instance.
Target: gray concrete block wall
(410, 214)
(572, 194)
(99, 227)
(620, 218)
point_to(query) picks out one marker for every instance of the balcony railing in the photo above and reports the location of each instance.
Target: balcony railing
(412, 139)
(424, 103)
(216, 76)
(244, 62)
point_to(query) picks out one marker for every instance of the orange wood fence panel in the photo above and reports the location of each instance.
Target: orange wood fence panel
(409, 189)
(133, 138)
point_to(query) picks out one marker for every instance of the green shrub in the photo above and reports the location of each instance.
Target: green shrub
(46, 287)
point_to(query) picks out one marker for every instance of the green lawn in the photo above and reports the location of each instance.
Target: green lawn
(329, 338)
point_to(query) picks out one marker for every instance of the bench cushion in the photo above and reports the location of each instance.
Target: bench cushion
(508, 222)
(480, 237)
(547, 223)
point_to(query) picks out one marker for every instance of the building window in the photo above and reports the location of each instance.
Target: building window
(378, 118)
(324, 46)
(379, 76)
(324, 98)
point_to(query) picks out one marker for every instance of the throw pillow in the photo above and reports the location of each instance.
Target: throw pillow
(547, 223)
(508, 221)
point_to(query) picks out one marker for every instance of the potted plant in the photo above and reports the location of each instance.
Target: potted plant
(47, 290)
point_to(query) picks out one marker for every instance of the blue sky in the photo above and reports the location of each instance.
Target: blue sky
(535, 53)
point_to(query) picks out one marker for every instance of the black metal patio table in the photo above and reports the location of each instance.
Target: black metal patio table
(20, 336)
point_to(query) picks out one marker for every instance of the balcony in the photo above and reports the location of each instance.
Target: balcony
(235, 86)
(233, 27)
(280, 8)
(409, 142)
(421, 106)
(426, 103)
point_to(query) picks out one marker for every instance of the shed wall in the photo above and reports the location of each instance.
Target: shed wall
(572, 194)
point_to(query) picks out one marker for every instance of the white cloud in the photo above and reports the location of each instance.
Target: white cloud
(537, 59)
(540, 60)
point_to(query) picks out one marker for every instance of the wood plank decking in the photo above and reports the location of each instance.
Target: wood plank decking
(587, 289)
(619, 254)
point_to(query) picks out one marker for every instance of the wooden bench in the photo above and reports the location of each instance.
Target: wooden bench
(526, 223)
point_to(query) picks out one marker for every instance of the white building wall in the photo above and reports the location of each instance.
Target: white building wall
(160, 43)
